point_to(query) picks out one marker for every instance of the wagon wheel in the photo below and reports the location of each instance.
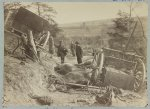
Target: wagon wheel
(140, 74)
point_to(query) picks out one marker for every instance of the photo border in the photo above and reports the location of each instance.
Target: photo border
(64, 107)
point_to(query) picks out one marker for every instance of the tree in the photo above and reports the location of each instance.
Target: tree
(48, 13)
(121, 30)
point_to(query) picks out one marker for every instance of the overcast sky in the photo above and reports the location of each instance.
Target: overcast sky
(77, 12)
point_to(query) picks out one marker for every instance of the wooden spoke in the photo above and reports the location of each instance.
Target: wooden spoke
(139, 75)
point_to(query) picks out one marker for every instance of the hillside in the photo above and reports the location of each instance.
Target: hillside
(94, 34)
(87, 29)
(92, 28)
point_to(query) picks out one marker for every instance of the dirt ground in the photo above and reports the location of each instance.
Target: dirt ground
(22, 80)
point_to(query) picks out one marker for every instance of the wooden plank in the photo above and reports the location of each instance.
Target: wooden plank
(123, 52)
(16, 30)
(12, 33)
(41, 48)
(130, 37)
(102, 57)
(32, 41)
(47, 38)
(18, 44)
(120, 59)
(31, 20)
(7, 17)
(81, 85)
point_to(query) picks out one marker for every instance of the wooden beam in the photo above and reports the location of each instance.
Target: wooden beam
(33, 46)
(14, 30)
(7, 17)
(130, 37)
(120, 59)
(123, 52)
(102, 57)
(43, 49)
(47, 38)
(12, 33)
(31, 40)
(18, 44)
(81, 85)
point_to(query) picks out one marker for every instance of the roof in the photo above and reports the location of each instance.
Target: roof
(30, 20)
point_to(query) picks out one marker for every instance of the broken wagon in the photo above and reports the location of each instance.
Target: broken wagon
(123, 69)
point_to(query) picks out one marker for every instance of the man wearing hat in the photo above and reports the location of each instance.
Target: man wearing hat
(62, 52)
(79, 52)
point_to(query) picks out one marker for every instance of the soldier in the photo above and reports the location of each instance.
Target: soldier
(79, 52)
(62, 52)
(72, 47)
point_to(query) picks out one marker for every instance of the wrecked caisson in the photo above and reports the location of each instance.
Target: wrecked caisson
(122, 69)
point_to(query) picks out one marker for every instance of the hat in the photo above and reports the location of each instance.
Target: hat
(76, 42)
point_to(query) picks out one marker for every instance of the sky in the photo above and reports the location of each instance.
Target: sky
(68, 12)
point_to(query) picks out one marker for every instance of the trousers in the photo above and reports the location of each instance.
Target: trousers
(62, 59)
(79, 60)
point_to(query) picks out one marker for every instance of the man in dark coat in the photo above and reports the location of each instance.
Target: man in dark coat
(79, 53)
(62, 52)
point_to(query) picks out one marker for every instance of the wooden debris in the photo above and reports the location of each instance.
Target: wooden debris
(47, 38)
(80, 85)
(31, 47)
(105, 99)
(31, 41)
(119, 51)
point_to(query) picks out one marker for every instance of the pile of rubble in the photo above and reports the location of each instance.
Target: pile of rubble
(73, 82)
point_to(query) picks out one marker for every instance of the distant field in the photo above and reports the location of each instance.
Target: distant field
(93, 34)
(92, 28)
(86, 29)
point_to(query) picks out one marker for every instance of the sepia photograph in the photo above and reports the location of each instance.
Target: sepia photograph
(75, 54)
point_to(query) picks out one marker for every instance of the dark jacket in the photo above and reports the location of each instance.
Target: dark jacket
(62, 51)
(79, 51)
(72, 46)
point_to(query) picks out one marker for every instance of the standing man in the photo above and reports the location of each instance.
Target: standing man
(72, 47)
(79, 52)
(62, 52)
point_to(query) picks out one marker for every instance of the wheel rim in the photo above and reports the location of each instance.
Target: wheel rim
(140, 74)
